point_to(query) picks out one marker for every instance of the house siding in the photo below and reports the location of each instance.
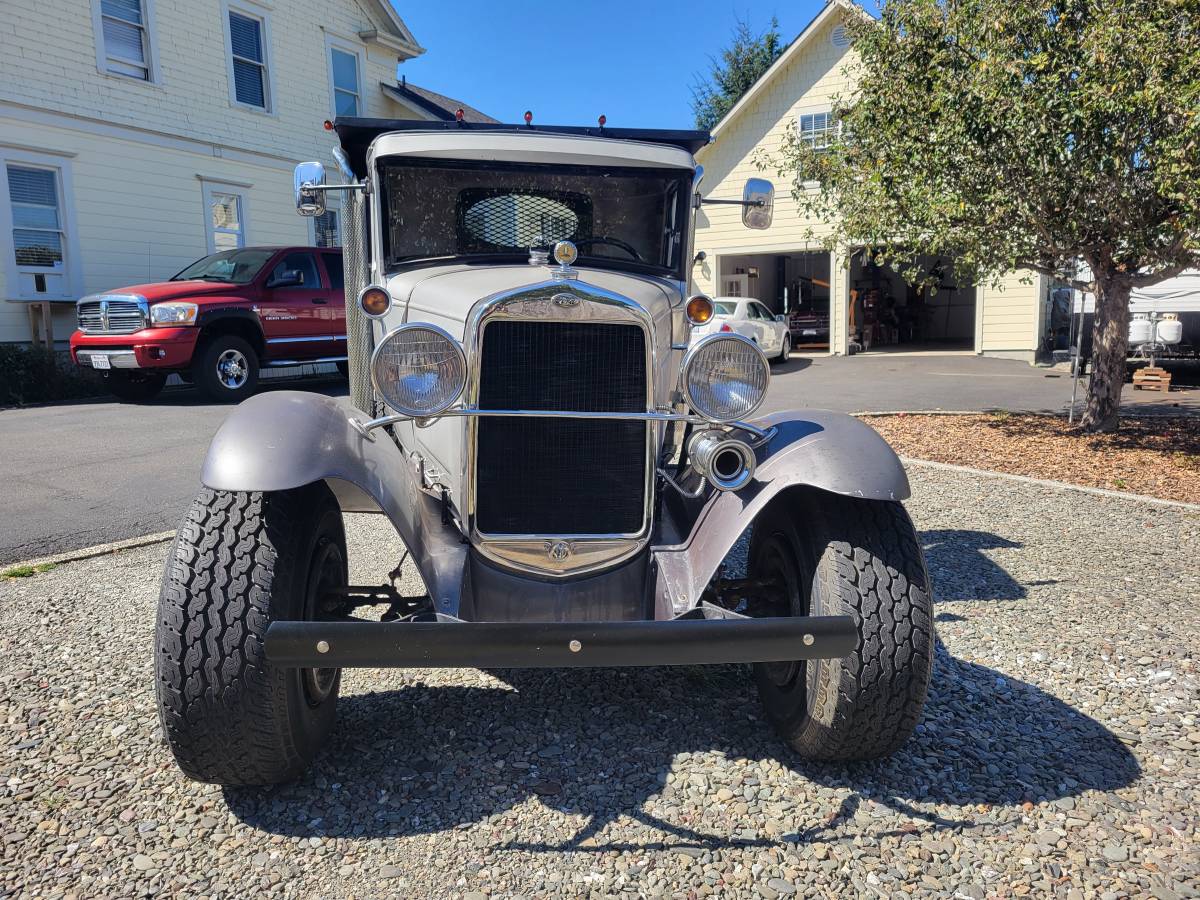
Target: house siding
(1007, 317)
(138, 151)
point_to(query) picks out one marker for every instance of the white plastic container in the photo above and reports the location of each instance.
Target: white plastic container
(1170, 331)
(1140, 331)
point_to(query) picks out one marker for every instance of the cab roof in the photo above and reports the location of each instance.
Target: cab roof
(643, 146)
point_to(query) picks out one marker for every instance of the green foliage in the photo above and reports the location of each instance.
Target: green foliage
(1020, 134)
(732, 74)
(27, 571)
(37, 375)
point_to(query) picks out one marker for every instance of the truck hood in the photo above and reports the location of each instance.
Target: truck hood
(444, 295)
(178, 290)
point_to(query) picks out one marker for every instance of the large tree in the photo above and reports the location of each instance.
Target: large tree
(1021, 134)
(734, 71)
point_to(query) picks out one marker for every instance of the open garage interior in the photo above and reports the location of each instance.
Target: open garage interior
(886, 313)
(796, 284)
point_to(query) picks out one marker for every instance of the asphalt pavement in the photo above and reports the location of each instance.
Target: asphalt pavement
(82, 474)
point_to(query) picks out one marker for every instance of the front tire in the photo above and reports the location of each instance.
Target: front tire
(838, 556)
(785, 351)
(135, 386)
(226, 369)
(240, 562)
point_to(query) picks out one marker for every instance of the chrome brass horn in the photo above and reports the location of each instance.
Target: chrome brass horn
(725, 461)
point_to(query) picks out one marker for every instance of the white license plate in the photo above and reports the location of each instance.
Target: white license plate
(100, 362)
(808, 331)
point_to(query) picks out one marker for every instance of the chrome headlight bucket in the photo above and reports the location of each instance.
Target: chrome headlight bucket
(725, 377)
(419, 370)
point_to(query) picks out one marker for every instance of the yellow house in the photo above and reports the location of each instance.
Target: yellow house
(846, 304)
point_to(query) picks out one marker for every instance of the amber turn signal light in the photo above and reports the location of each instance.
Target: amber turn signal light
(699, 310)
(375, 301)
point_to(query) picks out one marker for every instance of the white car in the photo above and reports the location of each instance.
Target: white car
(751, 319)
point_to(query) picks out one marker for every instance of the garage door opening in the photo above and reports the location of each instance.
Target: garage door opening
(795, 284)
(887, 314)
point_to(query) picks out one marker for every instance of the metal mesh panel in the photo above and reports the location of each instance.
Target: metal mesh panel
(491, 219)
(561, 476)
(359, 339)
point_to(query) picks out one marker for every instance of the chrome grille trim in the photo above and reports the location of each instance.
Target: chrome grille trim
(112, 313)
(592, 552)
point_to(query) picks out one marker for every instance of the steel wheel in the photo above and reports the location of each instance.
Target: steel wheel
(232, 369)
(327, 574)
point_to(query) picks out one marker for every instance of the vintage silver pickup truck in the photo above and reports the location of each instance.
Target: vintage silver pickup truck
(572, 477)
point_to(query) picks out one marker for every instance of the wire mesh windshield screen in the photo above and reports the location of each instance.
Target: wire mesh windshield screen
(445, 209)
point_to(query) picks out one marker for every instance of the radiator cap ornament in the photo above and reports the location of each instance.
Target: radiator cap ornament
(558, 551)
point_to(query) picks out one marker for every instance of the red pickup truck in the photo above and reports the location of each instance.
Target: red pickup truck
(217, 322)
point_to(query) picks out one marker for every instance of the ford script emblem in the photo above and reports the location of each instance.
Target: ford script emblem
(565, 300)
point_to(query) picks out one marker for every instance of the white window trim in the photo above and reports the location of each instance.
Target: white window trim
(73, 268)
(155, 75)
(312, 223)
(208, 187)
(332, 42)
(250, 10)
(832, 128)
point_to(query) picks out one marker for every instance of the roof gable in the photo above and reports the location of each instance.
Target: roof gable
(394, 34)
(832, 8)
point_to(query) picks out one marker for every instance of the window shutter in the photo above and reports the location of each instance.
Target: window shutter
(245, 38)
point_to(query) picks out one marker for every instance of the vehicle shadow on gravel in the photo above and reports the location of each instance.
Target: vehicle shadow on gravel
(961, 571)
(599, 744)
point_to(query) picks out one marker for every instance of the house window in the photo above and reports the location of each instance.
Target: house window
(125, 39)
(816, 129)
(36, 225)
(326, 229)
(249, 72)
(346, 92)
(225, 217)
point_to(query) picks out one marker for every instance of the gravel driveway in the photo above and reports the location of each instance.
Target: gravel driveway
(1059, 755)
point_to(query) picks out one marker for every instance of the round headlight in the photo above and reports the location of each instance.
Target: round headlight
(725, 377)
(419, 370)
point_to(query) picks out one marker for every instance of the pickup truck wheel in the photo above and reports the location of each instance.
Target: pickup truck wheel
(226, 369)
(837, 556)
(240, 562)
(135, 386)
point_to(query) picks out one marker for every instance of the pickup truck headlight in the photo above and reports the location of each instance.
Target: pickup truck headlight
(173, 314)
(725, 377)
(419, 370)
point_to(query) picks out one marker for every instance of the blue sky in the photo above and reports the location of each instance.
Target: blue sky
(568, 62)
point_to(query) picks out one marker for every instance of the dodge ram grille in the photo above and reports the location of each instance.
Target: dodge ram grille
(111, 316)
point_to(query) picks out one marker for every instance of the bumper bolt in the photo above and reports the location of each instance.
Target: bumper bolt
(575, 646)
(808, 640)
(323, 646)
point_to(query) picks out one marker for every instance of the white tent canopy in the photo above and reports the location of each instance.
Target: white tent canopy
(1175, 295)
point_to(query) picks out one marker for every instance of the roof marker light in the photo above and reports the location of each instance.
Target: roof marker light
(328, 125)
(528, 117)
(458, 114)
(603, 120)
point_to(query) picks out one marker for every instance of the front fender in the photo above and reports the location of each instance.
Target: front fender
(281, 440)
(818, 448)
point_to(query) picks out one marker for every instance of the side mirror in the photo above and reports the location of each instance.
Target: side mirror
(310, 200)
(781, 318)
(758, 203)
(286, 278)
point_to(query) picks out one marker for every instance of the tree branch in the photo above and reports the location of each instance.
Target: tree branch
(1148, 278)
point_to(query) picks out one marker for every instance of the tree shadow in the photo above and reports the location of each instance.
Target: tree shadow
(959, 569)
(599, 744)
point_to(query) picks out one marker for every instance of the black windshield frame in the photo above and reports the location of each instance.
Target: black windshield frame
(677, 211)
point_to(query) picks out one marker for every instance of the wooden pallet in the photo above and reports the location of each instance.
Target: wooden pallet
(1152, 378)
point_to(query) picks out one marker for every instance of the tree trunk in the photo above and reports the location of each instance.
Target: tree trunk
(1110, 346)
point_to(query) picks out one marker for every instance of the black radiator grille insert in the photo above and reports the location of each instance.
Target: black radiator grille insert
(561, 476)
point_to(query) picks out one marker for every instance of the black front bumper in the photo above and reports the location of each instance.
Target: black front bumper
(453, 643)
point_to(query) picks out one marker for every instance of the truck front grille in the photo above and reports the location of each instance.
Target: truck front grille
(561, 476)
(111, 316)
